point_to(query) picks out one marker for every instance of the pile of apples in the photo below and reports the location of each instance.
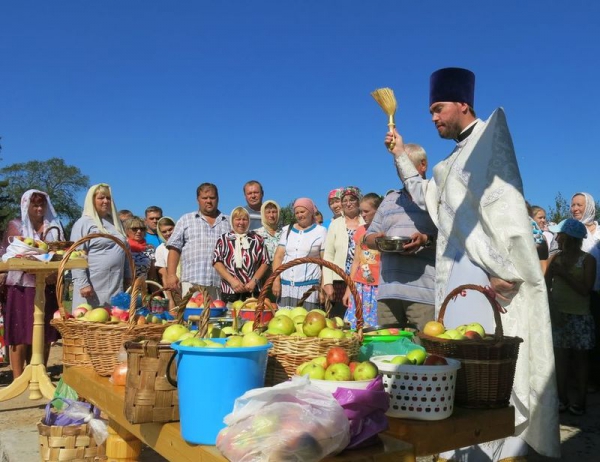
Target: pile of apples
(197, 301)
(86, 312)
(180, 332)
(35, 243)
(73, 255)
(298, 322)
(473, 331)
(417, 358)
(336, 366)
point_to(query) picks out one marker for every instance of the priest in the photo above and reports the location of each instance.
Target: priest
(475, 198)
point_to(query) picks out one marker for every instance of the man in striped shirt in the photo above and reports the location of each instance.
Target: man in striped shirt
(193, 243)
(407, 280)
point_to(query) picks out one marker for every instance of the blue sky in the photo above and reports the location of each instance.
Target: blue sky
(156, 97)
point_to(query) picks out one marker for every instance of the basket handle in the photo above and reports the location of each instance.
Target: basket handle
(309, 292)
(60, 231)
(204, 318)
(260, 305)
(496, 307)
(67, 255)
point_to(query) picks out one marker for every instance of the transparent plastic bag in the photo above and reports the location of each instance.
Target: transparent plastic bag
(294, 421)
(76, 413)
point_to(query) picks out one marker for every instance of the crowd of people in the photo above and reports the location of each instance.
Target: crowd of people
(468, 224)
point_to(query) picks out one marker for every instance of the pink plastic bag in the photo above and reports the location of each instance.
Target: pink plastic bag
(365, 410)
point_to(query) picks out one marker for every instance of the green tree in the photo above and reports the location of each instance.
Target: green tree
(286, 215)
(62, 183)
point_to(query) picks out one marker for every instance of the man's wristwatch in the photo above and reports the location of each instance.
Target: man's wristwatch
(430, 241)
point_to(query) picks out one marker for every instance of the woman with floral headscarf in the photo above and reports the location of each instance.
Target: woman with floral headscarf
(339, 247)
(38, 221)
(583, 208)
(108, 271)
(334, 200)
(240, 258)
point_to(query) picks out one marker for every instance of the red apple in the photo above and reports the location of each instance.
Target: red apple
(435, 360)
(471, 334)
(352, 366)
(218, 304)
(313, 324)
(337, 355)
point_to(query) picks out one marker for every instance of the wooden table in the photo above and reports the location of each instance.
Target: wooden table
(465, 427)
(34, 374)
(125, 440)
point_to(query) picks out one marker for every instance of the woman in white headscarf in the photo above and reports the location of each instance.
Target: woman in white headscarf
(583, 208)
(240, 258)
(270, 230)
(108, 271)
(39, 222)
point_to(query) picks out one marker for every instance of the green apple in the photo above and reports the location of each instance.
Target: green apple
(173, 332)
(253, 339)
(476, 327)
(328, 332)
(29, 241)
(314, 371)
(283, 312)
(321, 361)
(234, 341)
(416, 356)
(384, 332)
(212, 344)
(97, 315)
(297, 334)
(188, 335)
(330, 323)
(298, 321)
(317, 310)
(400, 360)
(193, 342)
(247, 327)
(339, 322)
(298, 311)
(366, 370)
(338, 372)
(313, 323)
(283, 324)
(228, 330)
(214, 332)
(237, 305)
(42, 245)
(444, 335)
(301, 366)
(462, 328)
(454, 334)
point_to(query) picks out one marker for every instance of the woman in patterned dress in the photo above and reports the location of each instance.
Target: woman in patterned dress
(240, 258)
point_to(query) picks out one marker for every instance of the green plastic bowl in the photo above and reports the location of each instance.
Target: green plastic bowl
(387, 338)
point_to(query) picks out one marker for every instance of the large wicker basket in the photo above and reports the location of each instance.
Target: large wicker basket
(71, 330)
(69, 443)
(289, 352)
(486, 377)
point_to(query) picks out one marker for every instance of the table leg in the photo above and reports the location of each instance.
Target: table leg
(121, 446)
(40, 386)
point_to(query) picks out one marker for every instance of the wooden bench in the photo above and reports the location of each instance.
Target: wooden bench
(125, 439)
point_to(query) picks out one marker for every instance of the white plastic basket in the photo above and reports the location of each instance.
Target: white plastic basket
(419, 392)
(333, 385)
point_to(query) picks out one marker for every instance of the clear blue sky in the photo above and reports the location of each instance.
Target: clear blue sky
(156, 97)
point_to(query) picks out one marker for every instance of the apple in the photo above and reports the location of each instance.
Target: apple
(317, 310)
(394, 330)
(228, 330)
(214, 332)
(298, 311)
(338, 372)
(284, 324)
(191, 304)
(237, 305)
(416, 356)
(57, 315)
(328, 332)
(173, 332)
(193, 342)
(435, 360)
(313, 323)
(301, 366)
(298, 321)
(476, 327)
(297, 334)
(400, 360)
(366, 370)
(433, 328)
(42, 245)
(284, 312)
(462, 328)
(444, 335)
(253, 339)
(29, 241)
(218, 304)
(321, 361)
(454, 334)
(188, 335)
(314, 371)
(97, 315)
(472, 335)
(330, 323)
(339, 322)
(114, 318)
(352, 366)
(213, 344)
(247, 327)
(234, 341)
(337, 355)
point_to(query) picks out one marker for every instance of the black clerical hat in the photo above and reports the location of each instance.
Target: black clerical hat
(452, 84)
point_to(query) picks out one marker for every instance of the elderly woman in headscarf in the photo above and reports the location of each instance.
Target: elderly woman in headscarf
(334, 200)
(270, 230)
(339, 247)
(240, 258)
(39, 222)
(583, 208)
(108, 271)
(304, 238)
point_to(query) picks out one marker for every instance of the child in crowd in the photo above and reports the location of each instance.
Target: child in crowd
(365, 267)
(570, 278)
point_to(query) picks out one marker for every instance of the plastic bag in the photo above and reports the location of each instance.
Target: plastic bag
(294, 421)
(365, 409)
(64, 391)
(76, 413)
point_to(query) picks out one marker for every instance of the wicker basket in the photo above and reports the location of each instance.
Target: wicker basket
(69, 443)
(53, 246)
(486, 377)
(71, 330)
(103, 341)
(289, 352)
(149, 397)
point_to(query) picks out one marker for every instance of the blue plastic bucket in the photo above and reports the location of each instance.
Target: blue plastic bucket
(208, 382)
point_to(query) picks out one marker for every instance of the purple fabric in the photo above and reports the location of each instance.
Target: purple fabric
(18, 315)
(365, 409)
